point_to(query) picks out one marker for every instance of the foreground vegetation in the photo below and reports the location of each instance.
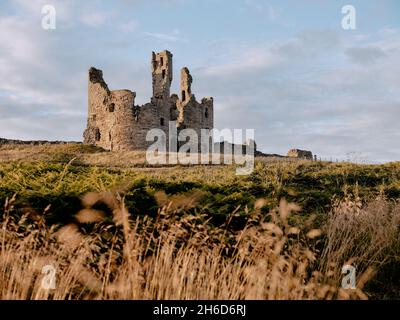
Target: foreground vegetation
(115, 227)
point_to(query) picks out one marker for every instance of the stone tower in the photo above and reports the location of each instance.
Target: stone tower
(162, 74)
(186, 85)
(109, 114)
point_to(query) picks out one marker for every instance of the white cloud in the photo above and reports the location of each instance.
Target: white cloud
(266, 9)
(95, 19)
(43, 73)
(130, 26)
(250, 60)
(304, 93)
(173, 36)
(365, 55)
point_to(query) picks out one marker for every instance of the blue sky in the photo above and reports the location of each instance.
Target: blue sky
(285, 68)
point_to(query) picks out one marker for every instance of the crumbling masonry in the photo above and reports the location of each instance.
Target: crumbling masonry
(116, 123)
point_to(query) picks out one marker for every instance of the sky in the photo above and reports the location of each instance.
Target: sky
(285, 68)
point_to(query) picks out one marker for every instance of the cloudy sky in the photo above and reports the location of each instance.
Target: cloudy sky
(286, 68)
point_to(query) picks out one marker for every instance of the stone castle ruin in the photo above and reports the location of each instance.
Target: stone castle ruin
(116, 123)
(301, 154)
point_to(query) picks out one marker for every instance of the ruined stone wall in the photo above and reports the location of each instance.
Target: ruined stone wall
(207, 106)
(301, 154)
(99, 98)
(193, 114)
(249, 147)
(110, 115)
(150, 116)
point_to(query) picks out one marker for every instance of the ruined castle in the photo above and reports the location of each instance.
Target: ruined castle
(116, 123)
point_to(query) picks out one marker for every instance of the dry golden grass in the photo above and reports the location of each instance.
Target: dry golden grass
(180, 256)
(362, 236)
(79, 154)
(106, 253)
(94, 156)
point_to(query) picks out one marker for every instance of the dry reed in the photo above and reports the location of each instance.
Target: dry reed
(180, 256)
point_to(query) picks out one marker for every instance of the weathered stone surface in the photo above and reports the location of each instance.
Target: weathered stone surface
(302, 154)
(249, 147)
(161, 68)
(116, 123)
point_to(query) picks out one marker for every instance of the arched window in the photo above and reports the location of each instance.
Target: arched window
(206, 113)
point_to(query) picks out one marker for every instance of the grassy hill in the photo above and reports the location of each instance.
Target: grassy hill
(52, 183)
